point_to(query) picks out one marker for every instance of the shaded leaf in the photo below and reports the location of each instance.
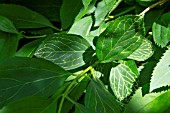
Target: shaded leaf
(82, 27)
(22, 77)
(6, 25)
(65, 50)
(161, 73)
(120, 39)
(99, 100)
(69, 10)
(122, 79)
(150, 103)
(23, 17)
(144, 51)
(8, 45)
(31, 105)
(29, 49)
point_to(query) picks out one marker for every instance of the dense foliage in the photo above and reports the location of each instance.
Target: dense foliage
(84, 56)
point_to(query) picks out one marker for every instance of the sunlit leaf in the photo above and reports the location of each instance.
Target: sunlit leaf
(160, 76)
(31, 105)
(6, 25)
(86, 3)
(65, 50)
(120, 39)
(82, 27)
(143, 52)
(99, 100)
(20, 77)
(150, 103)
(122, 78)
(23, 17)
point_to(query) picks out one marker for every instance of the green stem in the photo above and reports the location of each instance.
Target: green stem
(73, 83)
(160, 2)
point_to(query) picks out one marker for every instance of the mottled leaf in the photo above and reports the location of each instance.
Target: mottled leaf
(150, 103)
(31, 105)
(22, 77)
(120, 39)
(122, 78)
(143, 52)
(99, 100)
(64, 50)
(160, 76)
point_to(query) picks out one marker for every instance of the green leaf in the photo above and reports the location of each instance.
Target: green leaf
(99, 100)
(81, 109)
(22, 77)
(161, 34)
(150, 103)
(65, 50)
(103, 8)
(31, 105)
(29, 49)
(161, 73)
(144, 51)
(122, 78)
(165, 19)
(86, 3)
(6, 25)
(44, 7)
(8, 45)
(82, 27)
(68, 12)
(75, 94)
(23, 17)
(120, 39)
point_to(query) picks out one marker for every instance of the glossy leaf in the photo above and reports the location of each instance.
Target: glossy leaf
(23, 17)
(22, 77)
(69, 10)
(6, 25)
(161, 34)
(103, 8)
(144, 51)
(161, 73)
(99, 100)
(29, 49)
(122, 78)
(150, 103)
(120, 39)
(31, 105)
(82, 27)
(8, 45)
(64, 50)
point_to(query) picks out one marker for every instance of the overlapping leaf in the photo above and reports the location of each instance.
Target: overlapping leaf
(122, 79)
(120, 39)
(161, 73)
(86, 3)
(143, 52)
(150, 103)
(99, 100)
(23, 17)
(6, 25)
(20, 77)
(65, 50)
(31, 105)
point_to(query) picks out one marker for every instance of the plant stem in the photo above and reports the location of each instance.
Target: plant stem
(160, 2)
(73, 83)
